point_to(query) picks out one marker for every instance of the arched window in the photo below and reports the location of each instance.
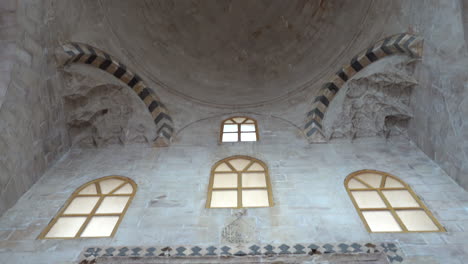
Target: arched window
(94, 210)
(239, 128)
(387, 204)
(239, 182)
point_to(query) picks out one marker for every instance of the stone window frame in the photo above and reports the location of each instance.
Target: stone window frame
(239, 132)
(239, 187)
(388, 207)
(76, 193)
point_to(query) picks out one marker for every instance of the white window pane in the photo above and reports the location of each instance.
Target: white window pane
(81, 205)
(255, 198)
(66, 227)
(417, 220)
(230, 137)
(400, 198)
(248, 137)
(247, 128)
(228, 122)
(239, 119)
(372, 179)
(224, 199)
(249, 121)
(231, 128)
(355, 184)
(225, 180)
(381, 221)
(113, 204)
(253, 180)
(90, 189)
(126, 189)
(392, 183)
(223, 167)
(368, 199)
(239, 164)
(108, 185)
(100, 226)
(256, 167)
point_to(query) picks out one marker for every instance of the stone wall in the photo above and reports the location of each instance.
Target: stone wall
(32, 130)
(440, 103)
(311, 203)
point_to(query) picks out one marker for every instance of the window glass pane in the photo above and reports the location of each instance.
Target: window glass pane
(372, 179)
(126, 189)
(225, 180)
(100, 226)
(255, 198)
(249, 121)
(223, 167)
(239, 119)
(355, 184)
(248, 136)
(228, 122)
(230, 137)
(108, 185)
(392, 183)
(66, 227)
(368, 199)
(416, 220)
(113, 204)
(231, 128)
(256, 167)
(81, 205)
(239, 164)
(381, 221)
(247, 128)
(224, 199)
(90, 189)
(253, 180)
(400, 198)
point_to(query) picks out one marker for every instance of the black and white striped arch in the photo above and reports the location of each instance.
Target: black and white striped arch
(404, 43)
(86, 54)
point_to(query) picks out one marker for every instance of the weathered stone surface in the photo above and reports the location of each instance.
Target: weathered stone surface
(374, 105)
(103, 114)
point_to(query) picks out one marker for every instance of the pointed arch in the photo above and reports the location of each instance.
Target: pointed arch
(86, 54)
(404, 43)
(94, 210)
(386, 203)
(239, 182)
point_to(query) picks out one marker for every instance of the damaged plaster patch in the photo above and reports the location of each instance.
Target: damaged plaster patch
(240, 230)
(376, 104)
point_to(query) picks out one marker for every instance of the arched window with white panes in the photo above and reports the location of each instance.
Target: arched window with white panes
(385, 203)
(239, 182)
(239, 129)
(94, 210)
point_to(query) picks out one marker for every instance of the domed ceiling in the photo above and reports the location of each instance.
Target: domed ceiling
(235, 53)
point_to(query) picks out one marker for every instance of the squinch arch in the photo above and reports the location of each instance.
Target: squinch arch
(404, 43)
(86, 54)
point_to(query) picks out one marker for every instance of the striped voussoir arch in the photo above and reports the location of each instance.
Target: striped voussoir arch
(404, 43)
(86, 54)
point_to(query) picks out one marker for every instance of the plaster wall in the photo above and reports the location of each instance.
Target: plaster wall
(32, 130)
(311, 204)
(440, 103)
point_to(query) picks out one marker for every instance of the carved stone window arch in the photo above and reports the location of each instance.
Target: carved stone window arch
(385, 203)
(239, 182)
(239, 129)
(94, 210)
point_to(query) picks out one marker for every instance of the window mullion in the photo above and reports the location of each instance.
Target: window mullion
(392, 210)
(239, 190)
(91, 214)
